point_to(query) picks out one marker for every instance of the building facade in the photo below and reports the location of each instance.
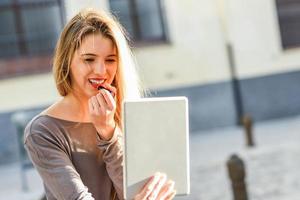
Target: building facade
(229, 57)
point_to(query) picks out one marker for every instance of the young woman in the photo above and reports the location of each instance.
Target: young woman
(75, 144)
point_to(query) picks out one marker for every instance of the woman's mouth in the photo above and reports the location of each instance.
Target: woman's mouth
(96, 82)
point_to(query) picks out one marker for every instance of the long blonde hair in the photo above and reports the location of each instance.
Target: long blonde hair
(90, 21)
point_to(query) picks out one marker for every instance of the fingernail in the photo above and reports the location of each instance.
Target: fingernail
(172, 183)
(157, 174)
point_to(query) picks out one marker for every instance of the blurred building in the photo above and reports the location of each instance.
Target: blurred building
(230, 57)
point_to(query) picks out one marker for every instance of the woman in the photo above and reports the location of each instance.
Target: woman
(75, 144)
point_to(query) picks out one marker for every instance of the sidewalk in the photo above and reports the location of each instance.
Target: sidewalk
(10, 184)
(272, 166)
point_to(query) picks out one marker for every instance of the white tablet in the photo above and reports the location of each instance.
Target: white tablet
(156, 139)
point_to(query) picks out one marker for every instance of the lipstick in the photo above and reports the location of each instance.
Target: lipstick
(101, 87)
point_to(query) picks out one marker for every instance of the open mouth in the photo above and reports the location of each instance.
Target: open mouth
(96, 82)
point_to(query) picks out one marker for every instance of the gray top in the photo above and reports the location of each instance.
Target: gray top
(73, 161)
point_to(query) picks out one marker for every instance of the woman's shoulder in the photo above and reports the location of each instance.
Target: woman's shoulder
(44, 134)
(40, 124)
(39, 121)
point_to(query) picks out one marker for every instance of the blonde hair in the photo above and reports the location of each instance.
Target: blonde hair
(90, 21)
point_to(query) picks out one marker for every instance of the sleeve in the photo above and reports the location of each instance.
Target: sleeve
(55, 167)
(113, 158)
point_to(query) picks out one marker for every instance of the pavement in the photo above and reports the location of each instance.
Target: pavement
(272, 165)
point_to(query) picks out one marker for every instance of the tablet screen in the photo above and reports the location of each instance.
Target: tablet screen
(156, 139)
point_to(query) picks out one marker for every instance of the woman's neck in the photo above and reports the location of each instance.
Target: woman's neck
(70, 108)
(78, 107)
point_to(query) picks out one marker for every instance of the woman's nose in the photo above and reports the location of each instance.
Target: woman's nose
(100, 69)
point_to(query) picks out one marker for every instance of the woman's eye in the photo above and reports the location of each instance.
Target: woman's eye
(110, 60)
(89, 60)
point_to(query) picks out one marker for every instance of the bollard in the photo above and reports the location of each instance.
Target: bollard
(236, 171)
(247, 123)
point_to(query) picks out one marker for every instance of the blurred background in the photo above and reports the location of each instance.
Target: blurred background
(238, 62)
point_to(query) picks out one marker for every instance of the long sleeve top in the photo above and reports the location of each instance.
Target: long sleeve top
(73, 161)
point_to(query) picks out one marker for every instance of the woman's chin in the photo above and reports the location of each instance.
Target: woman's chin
(92, 93)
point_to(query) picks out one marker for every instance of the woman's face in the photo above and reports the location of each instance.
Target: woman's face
(94, 64)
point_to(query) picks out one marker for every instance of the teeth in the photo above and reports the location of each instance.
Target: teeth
(96, 81)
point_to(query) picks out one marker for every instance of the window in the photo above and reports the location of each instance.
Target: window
(29, 27)
(289, 22)
(143, 19)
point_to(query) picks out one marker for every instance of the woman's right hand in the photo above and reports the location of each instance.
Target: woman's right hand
(158, 187)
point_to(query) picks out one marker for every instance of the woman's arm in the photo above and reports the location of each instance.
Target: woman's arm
(113, 157)
(55, 167)
(102, 108)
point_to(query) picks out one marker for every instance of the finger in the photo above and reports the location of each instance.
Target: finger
(90, 106)
(110, 102)
(158, 187)
(166, 190)
(96, 106)
(171, 196)
(101, 102)
(148, 188)
(110, 88)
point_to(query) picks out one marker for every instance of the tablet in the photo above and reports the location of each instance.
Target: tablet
(156, 139)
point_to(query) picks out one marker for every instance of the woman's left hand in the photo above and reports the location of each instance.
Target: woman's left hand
(102, 108)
